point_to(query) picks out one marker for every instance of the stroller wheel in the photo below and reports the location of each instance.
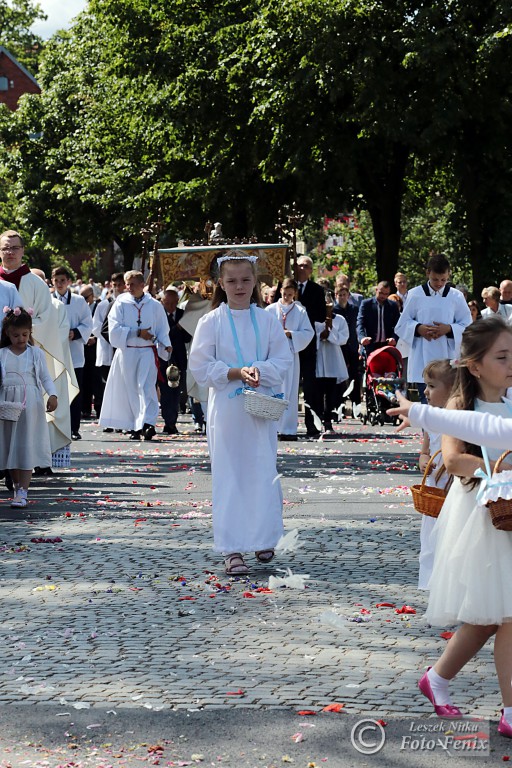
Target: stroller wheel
(381, 420)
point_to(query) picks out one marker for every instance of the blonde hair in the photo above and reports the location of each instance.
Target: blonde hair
(133, 273)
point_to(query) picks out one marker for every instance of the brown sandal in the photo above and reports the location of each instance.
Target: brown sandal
(235, 565)
(265, 555)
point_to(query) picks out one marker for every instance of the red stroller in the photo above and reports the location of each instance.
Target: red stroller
(382, 378)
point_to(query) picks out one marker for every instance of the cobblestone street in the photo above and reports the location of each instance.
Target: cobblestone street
(112, 598)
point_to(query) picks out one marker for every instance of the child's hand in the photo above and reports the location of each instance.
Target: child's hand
(250, 376)
(423, 461)
(51, 405)
(403, 406)
(404, 423)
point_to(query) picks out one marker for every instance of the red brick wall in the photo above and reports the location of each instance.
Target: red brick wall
(21, 83)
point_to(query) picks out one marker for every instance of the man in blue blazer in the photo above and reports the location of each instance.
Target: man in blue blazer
(377, 318)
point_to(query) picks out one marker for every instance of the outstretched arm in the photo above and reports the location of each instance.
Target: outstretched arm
(471, 426)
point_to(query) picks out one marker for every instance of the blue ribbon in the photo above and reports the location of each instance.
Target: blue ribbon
(238, 350)
(240, 391)
(488, 481)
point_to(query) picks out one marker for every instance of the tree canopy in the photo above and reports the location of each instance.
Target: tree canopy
(16, 19)
(230, 109)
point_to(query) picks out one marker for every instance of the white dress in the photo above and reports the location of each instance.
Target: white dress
(25, 443)
(246, 492)
(428, 531)
(472, 576)
(294, 318)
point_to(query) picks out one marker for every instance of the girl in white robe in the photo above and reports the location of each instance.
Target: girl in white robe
(297, 328)
(239, 344)
(473, 562)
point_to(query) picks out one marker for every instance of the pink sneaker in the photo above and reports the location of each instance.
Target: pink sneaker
(504, 727)
(444, 710)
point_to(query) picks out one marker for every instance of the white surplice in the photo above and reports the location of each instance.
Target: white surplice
(130, 398)
(294, 318)
(247, 496)
(104, 351)
(425, 310)
(330, 362)
(80, 319)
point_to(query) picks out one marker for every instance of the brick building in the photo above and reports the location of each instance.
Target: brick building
(15, 80)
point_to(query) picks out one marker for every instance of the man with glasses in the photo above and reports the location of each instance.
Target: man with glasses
(9, 296)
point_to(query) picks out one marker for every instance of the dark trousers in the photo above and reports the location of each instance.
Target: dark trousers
(197, 412)
(170, 396)
(75, 408)
(326, 387)
(309, 388)
(354, 374)
(421, 386)
(92, 385)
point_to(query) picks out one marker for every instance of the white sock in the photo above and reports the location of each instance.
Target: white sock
(439, 687)
(507, 714)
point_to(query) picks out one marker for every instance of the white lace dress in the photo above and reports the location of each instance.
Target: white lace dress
(472, 575)
(25, 444)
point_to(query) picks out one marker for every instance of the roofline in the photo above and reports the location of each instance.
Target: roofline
(20, 66)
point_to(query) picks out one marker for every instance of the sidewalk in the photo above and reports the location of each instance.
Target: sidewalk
(130, 611)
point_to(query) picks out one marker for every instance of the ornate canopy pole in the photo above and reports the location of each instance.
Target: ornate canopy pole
(155, 229)
(289, 221)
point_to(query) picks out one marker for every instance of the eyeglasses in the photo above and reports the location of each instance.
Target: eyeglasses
(8, 248)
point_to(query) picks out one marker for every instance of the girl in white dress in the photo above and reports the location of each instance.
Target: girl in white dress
(24, 444)
(236, 344)
(297, 328)
(472, 570)
(439, 377)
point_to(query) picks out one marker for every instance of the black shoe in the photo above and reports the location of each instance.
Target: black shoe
(76, 436)
(149, 431)
(313, 433)
(8, 481)
(288, 438)
(172, 430)
(108, 429)
(135, 434)
(328, 427)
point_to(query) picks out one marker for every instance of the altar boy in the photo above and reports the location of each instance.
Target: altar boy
(80, 323)
(433, 321)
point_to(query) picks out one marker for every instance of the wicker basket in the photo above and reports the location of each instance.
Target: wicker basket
(12, 411)
(501, 509)
(427, 499)
(264, 406)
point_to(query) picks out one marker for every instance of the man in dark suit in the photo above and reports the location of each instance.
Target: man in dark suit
(377, 319)
(170, 396)
(312, 298)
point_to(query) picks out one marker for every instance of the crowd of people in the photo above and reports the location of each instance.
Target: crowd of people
(68, 348)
